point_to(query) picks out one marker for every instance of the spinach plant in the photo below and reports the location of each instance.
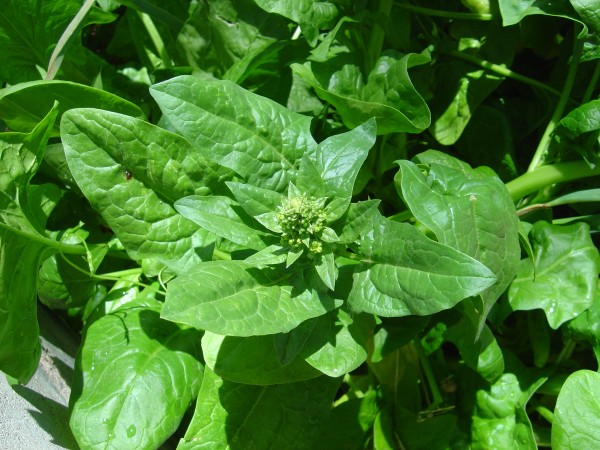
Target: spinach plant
(300, 225)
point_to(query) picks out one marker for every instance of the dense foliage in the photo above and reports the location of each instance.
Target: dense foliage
(301, 224)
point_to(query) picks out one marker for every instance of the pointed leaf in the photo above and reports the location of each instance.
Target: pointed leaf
(576, 417)
(217, 215)
(238, 299)
(469, 210)
(252, 135)
(402, 273)
(136, 376)
(132, 173)
(337, 161)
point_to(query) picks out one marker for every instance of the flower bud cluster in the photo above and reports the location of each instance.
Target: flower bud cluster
(302, 220)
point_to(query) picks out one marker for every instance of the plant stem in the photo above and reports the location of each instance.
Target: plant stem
(58, 53)
(542, 411)
(592, 84)
(445, 14)
(503, 71)
(156, 38)
(542, 150)
(544, 176)
(429, 375)
(221, 255)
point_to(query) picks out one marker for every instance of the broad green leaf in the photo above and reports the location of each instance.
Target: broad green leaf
(576, 421)
(231, 415)
(136, 375)
(238, 299)
(29, 31)
(20, 258)
(402, 273)
(586, 327)
(132, 173)
(23, 105)
(23, 246)
(566, 266)
(580, 130)
(311, 15)
(252, 360)
(513, 11)
(469, 210)
(61, 286)
(462, 86)
(388, 94)
(499, 418)
(338, 343)
(252, 135)
(219, 216)
(337, 161)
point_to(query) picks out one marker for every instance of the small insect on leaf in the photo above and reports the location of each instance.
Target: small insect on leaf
(128, 175)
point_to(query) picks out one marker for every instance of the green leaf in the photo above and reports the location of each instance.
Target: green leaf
(357, 221)
(587, 195)
(311, 15)
(288, 345)
(580, 130)
(576, 421)
(337, 161)
(29, 31)
(461, 86)
(237, 299)
(23, 246)
(513, 11)
(566, 266)
(252, 135)
(469, 210)
(402, 273)
(388, 95)
(136, 375)
(22, 106)
(257, 417)
(383, 432)
(499, 418)
(218, 215)
(61, 286)
(132, 173)
(255, 201)
(338, 343)
(252, 360)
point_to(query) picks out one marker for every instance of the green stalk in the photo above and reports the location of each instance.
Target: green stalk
(384, 8)
(429, 375)
(542, 150)
(220, 255)
(503, 71)
(445, 14)
(156, 38)
(545, 176)
(58, 54)
(592, 84)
